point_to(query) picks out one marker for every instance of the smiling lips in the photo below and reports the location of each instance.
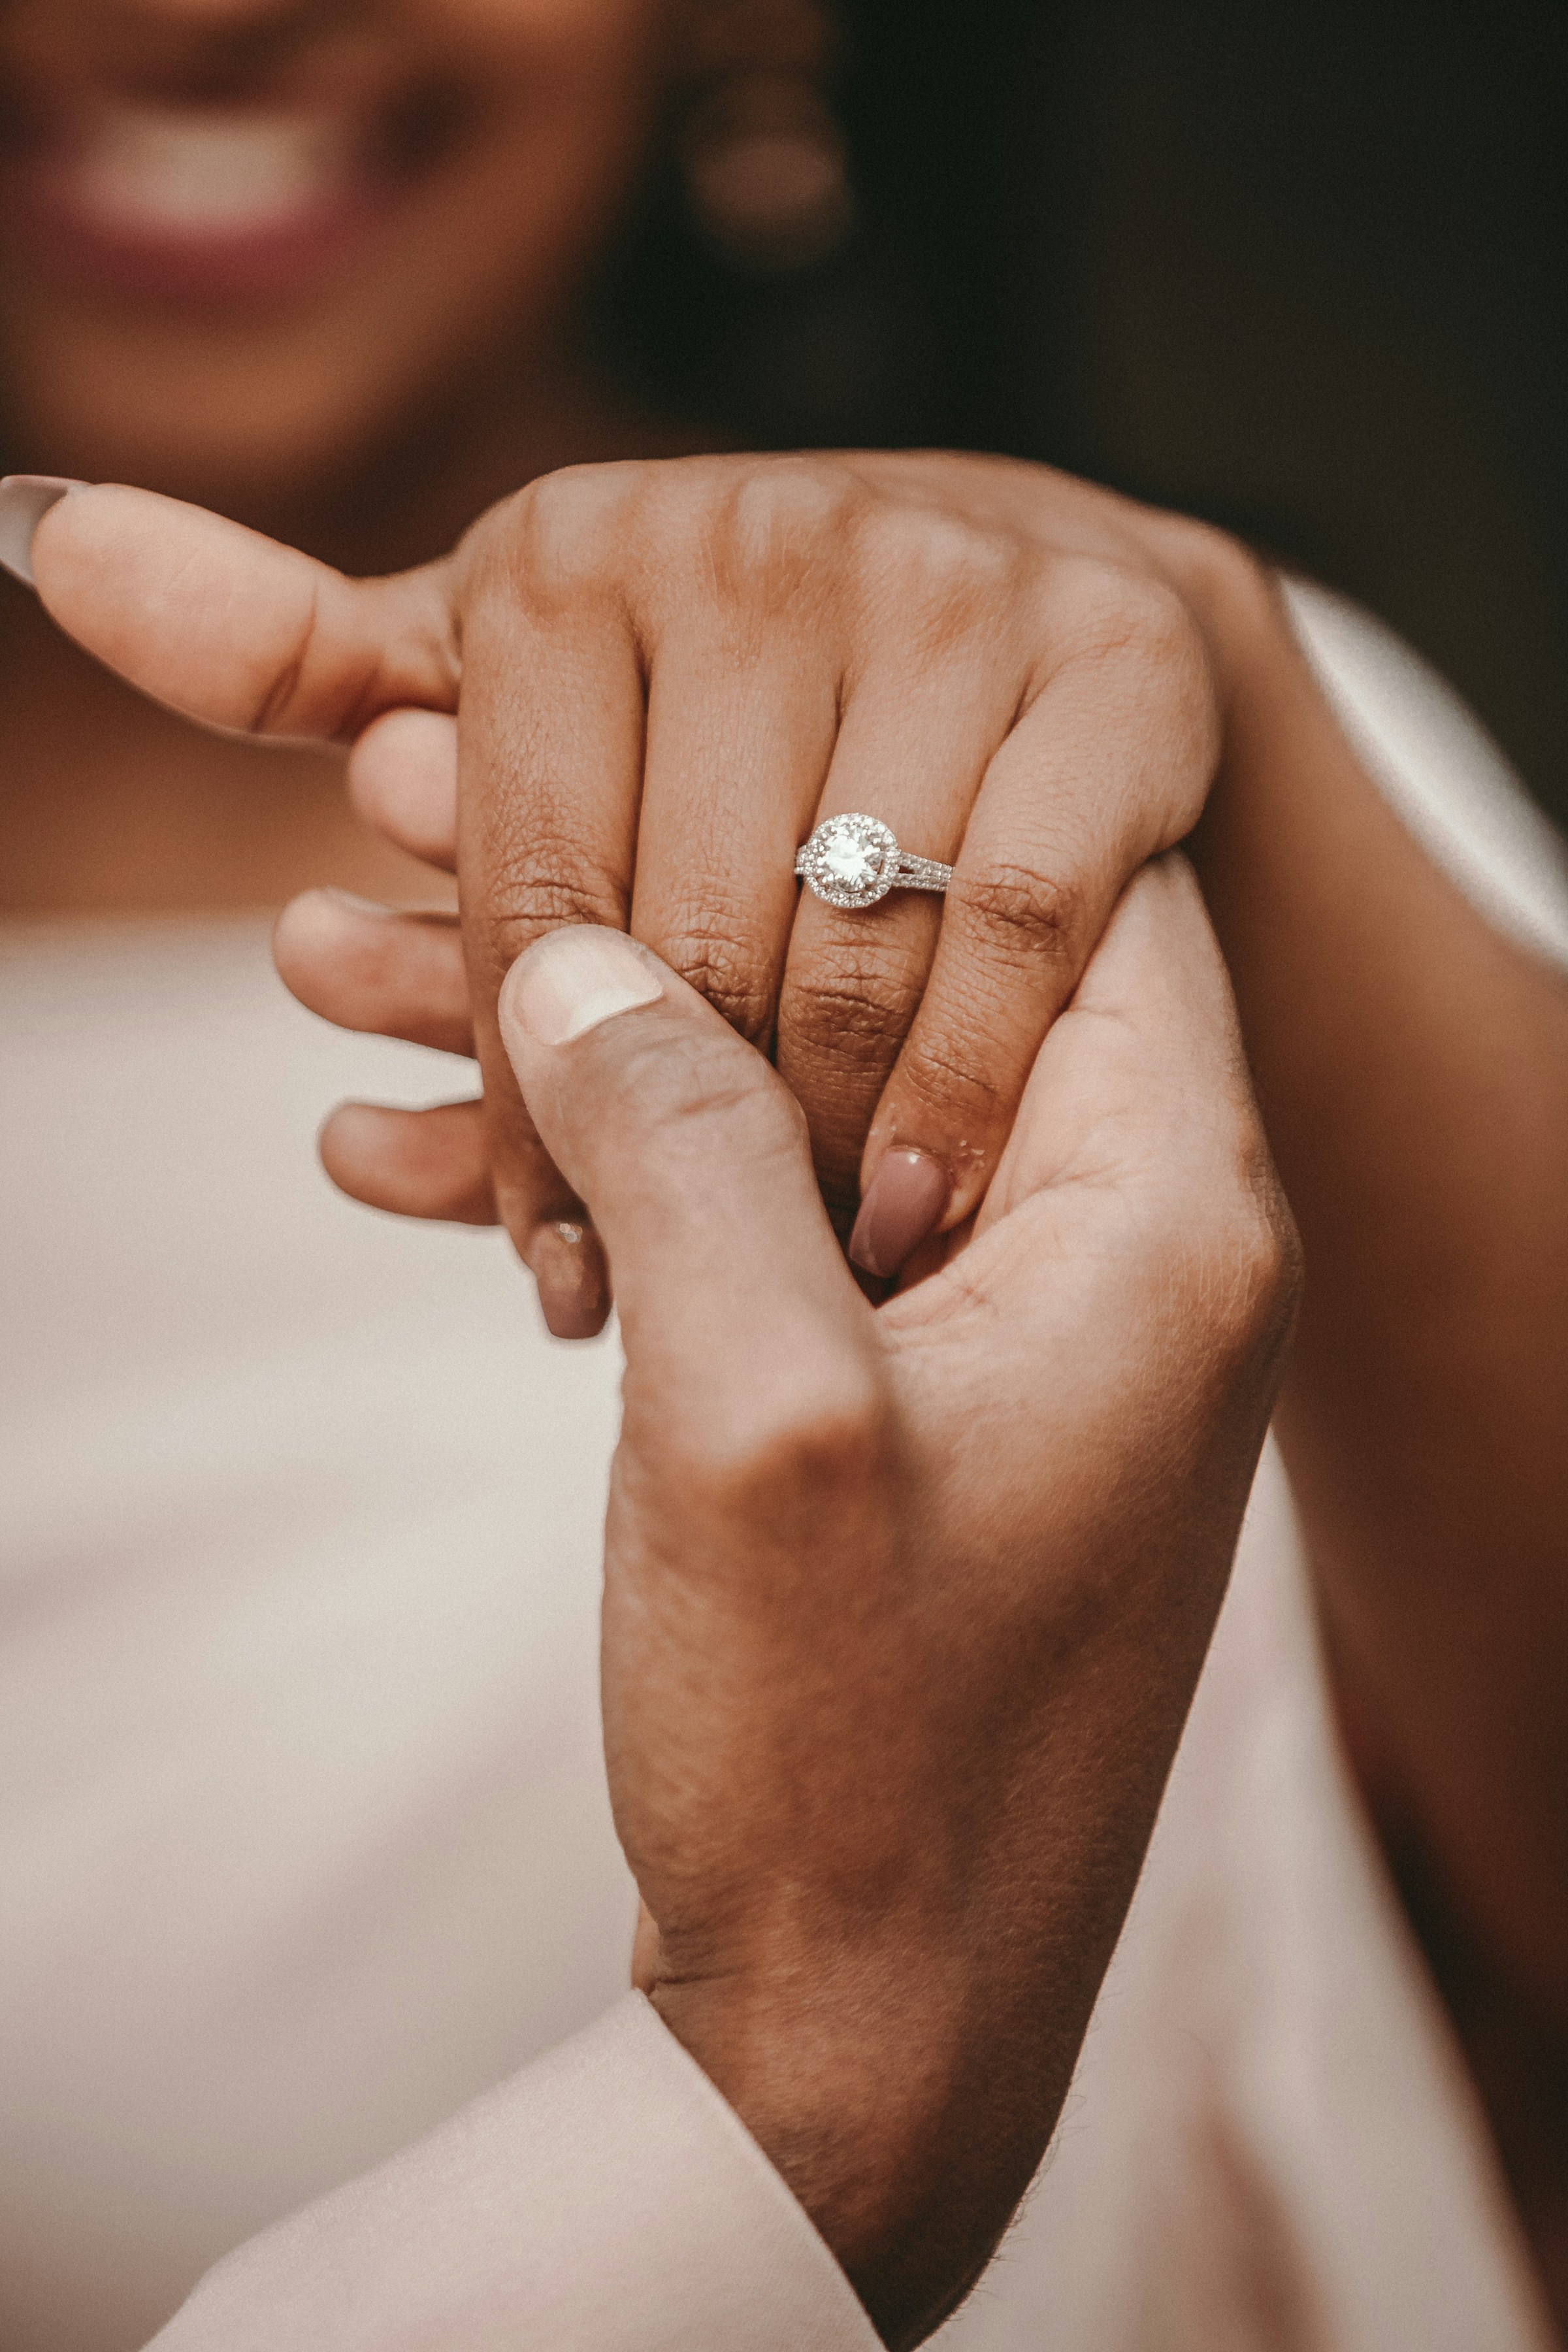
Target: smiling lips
(188, 172)
(197, 201)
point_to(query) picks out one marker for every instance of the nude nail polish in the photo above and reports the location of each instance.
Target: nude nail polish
(904, 1202)
(567, 1261)
(24, 501)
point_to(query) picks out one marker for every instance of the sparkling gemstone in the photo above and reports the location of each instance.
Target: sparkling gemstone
(851, 862)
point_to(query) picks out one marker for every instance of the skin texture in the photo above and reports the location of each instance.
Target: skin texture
(1414, 1077)
(904, 1609)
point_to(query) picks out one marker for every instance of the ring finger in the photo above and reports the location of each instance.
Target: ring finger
(911, 753)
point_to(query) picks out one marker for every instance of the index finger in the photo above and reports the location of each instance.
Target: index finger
(232, 628)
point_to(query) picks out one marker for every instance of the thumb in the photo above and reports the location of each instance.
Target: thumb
(1139, 1143)
(230, 627)
(1142, 1080)
(693, 1159)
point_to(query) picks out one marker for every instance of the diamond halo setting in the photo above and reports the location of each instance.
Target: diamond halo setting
(850, 861)
(854, 860)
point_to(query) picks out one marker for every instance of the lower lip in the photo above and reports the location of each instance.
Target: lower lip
(269, 260)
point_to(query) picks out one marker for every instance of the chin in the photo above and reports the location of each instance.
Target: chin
(250, 423)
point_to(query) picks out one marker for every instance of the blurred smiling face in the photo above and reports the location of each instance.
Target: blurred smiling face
(242, 242)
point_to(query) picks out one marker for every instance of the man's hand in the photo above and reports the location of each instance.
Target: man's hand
(904, 1607)
(670, 673)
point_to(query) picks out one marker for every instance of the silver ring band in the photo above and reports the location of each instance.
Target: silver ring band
(853, 861)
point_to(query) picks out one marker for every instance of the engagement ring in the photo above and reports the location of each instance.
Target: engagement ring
(853, 861)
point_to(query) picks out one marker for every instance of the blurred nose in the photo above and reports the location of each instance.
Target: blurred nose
(219, 14)
(231, 31)
(225, 19)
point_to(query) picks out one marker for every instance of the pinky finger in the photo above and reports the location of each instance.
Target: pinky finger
(433, 1164)
(415, 1163)
(403, 781)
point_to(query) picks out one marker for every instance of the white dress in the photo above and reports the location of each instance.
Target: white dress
(303, 1833)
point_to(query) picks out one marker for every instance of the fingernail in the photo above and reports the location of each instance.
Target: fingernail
(569, 981)
(24, 501)
(904, 1201)
(567, 1261)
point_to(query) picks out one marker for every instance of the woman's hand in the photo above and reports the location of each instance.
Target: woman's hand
(669, 672)
(903, 1610)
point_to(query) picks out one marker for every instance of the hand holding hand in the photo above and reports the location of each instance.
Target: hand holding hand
(668, 674)
(904, 1607)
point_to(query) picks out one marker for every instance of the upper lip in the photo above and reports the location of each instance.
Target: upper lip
(49, 109)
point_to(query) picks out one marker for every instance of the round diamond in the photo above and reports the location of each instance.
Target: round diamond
(850, 861)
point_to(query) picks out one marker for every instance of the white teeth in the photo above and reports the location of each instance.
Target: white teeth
(182, 169)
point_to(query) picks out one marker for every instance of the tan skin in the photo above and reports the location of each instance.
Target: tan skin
(366, 404)
(1425, 1418)
(1413, 1070)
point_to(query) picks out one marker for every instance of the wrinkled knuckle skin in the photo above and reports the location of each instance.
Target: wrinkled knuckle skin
(1139, 632)
(947, 1078)
(1017, 914)
(531, 897)
(688, 1090)
(849, 1005)
(720, 968)
(340, 710)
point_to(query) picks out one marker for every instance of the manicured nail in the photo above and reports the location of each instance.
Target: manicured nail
(904, 1201)
(570, 981)
(24, 501)
(567, 1261)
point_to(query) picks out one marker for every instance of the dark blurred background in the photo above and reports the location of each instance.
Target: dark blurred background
(1298, 269)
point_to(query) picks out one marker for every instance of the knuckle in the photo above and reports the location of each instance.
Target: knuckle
(774, 527)
(787, 500)
(849, 1000)
(1140, 645)
(1244, 1251)
(533, 892)
(1017, 914)
(1116, 610)
(789, 1460)
(946, 574)
(562, 538)
(1220, 560)
(688, 1090)
(953, 1076)
(714, 962)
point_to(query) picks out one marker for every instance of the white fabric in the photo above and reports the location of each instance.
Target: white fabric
(606, 2197)
(304, 1838)
(303, 1835)
(1439, 769)
(1270, 2144)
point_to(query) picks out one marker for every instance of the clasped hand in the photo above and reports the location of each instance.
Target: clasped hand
(903, 1605)
(670, 673)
